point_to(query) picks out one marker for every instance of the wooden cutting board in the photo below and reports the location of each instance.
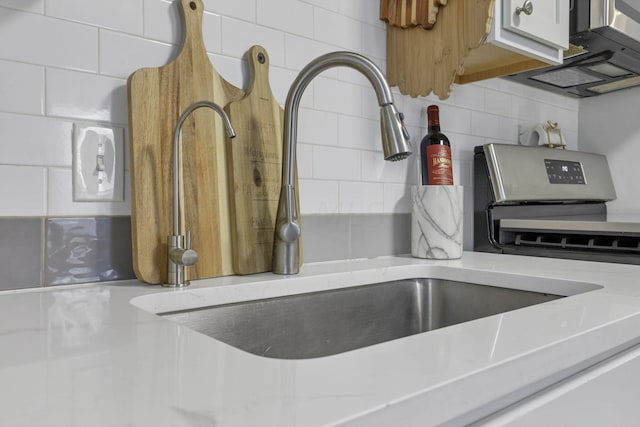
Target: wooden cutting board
(157, 97)
(409, 13)
(421, 61)
(255, 168)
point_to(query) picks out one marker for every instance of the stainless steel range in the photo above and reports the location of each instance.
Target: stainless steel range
(548, 202)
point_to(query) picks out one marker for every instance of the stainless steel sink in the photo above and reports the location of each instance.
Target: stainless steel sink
(331, 322)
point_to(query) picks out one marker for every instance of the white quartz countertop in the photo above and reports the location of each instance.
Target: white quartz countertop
(86, 355)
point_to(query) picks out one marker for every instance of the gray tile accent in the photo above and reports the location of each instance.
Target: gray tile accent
(80, 250)
(20, 253)
(325, 237)
(346, 236)
(380, 234)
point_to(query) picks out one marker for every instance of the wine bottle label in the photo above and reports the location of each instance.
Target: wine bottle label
(439, 170)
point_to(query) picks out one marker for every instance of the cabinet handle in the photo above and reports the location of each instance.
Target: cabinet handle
(527, 8)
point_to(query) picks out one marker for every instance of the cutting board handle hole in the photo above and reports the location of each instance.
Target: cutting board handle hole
(261, 58)
(193, 5)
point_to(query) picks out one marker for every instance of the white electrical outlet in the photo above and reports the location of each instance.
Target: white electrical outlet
(98, 163)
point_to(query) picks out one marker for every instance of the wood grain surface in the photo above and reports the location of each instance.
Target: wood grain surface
(255, 168)
(157, 97)
(420, 61)
(410, 13)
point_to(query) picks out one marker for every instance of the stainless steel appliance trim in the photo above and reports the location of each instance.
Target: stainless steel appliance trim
(603, 13)
(518, 174)
(570, 226)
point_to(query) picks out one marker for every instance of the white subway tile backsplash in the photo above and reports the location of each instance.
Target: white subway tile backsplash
(537, 95)
(414, 110)
(361, 10)
(336, 163)
(305, 161)
(318, 196)
(162, 21)
(361, 197)
(374, 41)
(121, 15)
(337, 30)
(234, 70)
(462, 145)
(22, 191)
(290, 16)
(487, 125)
(34, 6)
(454, 119)
(242, 9)
(468, 96)
(464, 173)
(300, 51)
(397, 198)
(356, 132)
(566, 119)
(525, 109)
(33, 140)
(21, 88)
(508, 129)
(336, 96)
(571, 139)
(122, 54)
(370, 105)
(211, 32)
(325, 4)
(498, 102)
(347, 74)
(281, 80)
(85, 96)
(42, 40)
(318, 127)
(60, 198)
(376, 169)
(238, 36)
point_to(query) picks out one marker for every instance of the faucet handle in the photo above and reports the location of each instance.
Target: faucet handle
(289, 231)
(184, 257)
(180, 251)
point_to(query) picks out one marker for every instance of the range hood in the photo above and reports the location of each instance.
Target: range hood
(603, 55)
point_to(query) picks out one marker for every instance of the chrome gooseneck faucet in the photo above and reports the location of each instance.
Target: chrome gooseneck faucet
(395, 146)
(179, 246)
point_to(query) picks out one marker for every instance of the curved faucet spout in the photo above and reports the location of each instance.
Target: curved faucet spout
(395, 146)
(176, 150)
(180, 253)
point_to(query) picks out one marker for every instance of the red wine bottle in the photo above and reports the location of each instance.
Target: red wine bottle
(435, 152)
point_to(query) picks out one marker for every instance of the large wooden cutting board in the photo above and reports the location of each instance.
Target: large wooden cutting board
(256, 168)
(157, 97)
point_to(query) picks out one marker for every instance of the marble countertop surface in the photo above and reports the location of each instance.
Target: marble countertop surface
(97, 355)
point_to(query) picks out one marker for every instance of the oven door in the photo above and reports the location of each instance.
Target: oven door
(590, 240)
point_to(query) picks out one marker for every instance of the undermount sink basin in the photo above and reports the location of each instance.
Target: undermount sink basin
(331, 322)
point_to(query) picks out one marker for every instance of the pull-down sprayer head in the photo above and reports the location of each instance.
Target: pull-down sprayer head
(395, 138)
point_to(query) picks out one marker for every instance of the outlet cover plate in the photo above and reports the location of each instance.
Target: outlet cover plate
(98, 163)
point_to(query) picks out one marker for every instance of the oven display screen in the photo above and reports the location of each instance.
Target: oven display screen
(564, 172)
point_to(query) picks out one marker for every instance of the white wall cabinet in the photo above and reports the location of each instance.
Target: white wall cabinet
(544, 20)
(606, 394)
(535, 28)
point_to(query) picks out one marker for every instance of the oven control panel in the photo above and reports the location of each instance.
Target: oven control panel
(528, 173)
(564, 172)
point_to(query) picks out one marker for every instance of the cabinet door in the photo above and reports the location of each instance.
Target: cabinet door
(546, 21)
(606, 394)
